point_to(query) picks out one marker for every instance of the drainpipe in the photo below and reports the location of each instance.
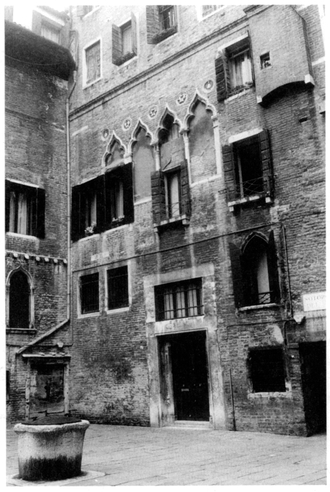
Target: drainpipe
(68, 160)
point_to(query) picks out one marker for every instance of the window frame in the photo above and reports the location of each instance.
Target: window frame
(35, 208)
(160, 291)
(119, 56)
(92, 311)
(124, 302)
(201, 16)
(155, 33)
(85, 67)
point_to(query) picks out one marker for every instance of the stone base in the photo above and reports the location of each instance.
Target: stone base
(16, 481)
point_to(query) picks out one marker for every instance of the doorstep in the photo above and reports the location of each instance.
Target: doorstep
(190, 424)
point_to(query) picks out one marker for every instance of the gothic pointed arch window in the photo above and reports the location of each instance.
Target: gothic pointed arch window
(19, 300)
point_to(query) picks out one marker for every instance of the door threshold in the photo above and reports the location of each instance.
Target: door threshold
(190, 424)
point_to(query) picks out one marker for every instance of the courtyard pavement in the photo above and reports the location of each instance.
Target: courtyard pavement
(130, 456)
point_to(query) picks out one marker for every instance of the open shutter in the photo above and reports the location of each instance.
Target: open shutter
(237, 275)
(116, 44)
(272, 269)
(99, 188)
(153, 26)
(222, 76)
(134, 33)
(7, 205)
(40, 214)
(266, 160)
(76, 214)
(158, 196)
(128, 193)
(229, 171)
(185, 190)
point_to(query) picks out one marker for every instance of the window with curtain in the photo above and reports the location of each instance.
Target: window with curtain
(179, 300)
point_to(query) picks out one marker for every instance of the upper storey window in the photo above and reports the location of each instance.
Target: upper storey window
(124, 41)
(233, 68)
(92, 63)
(209, 9)
(25, 209)
(50, 32)
(161, 22)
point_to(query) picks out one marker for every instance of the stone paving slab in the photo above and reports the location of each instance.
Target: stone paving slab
(128, 456)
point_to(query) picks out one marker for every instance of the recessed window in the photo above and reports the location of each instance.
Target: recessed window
(25, 210)
(19, 300)
(233, 68)
(267, 370)
(209, 9)
(265, 61)
(89, 293)
(118, 288)
(103, 203)
(173, 186)
(179, 300)
(124, 41)
(248, 168)
(93, 62)
(161, 22)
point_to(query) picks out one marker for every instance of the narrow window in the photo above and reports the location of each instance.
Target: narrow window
(267, 370)
(249, 173)
(161, 22)
(117, 201)
(91, 211)
(19, 301)
(89, 293)
(118, 288)
(173, 194)
(126, 35)
(25, 209)
(7, 385)
(179, 300)
(240, 67)
(93, 62)
(265, 61)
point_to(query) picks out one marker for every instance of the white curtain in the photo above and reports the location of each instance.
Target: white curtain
(12, 212)
(180, 303)
(192, 302)
(22, 222)
(168, 304)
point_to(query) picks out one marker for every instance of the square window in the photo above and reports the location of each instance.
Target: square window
(118, 288)
(179, 300)
(265, 61)
(267, 370)
(93, 63)
(89, 293)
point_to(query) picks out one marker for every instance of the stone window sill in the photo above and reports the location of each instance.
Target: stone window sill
(183, 219)
(21, 331)
(248, 199)
(259, 306)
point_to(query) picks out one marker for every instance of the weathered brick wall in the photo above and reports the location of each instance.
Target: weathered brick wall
(36, 154)
(108, 340)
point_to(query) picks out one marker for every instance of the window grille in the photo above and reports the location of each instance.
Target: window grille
(89, 293)
(267, 370)
(179, 300)
(118, 288)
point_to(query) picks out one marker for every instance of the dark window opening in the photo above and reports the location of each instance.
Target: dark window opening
(248, 167)
(103, 203)
(19, 301)
(118, 288)
(267, 370)
(179, 300)
(265, 61)
(89, 293)
(25, 210)
(7, 385)
(166, 16)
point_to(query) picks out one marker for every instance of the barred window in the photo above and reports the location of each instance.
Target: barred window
(179, 300)
(118, 288)
(89, 293)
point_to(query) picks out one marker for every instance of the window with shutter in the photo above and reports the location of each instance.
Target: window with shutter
(233, 68)
(248, 170)
(124, 41)
(25, 210)
(161, 22)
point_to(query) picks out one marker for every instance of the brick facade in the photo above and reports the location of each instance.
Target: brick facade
(123, 367)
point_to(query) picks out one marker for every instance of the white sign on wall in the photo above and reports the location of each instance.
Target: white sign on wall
(314, 301)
